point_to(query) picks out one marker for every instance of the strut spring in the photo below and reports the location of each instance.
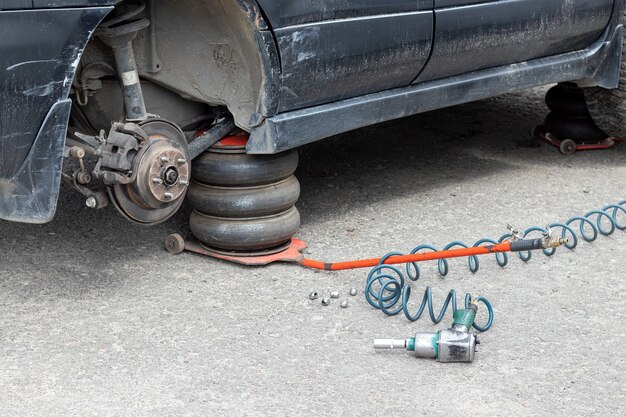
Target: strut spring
(386, 288)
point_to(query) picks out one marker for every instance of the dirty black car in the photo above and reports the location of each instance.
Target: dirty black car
(208, 100)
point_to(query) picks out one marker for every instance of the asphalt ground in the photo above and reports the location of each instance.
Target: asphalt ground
(96, 318)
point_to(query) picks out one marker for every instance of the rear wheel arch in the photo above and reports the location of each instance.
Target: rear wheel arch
(219, 52)
(216, 52)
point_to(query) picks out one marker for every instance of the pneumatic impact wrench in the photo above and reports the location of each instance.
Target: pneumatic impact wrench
(456, 344)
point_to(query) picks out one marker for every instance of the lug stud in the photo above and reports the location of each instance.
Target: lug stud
(157, 180)
(164, 159)
(184, 183)
(168, 195)
(181, 161)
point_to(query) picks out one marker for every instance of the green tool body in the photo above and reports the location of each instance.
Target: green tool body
(456, 344)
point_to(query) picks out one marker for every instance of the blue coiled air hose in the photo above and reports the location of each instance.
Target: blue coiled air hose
(386, 288)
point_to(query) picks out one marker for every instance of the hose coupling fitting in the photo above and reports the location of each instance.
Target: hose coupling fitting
(550, 242)
(553, 242)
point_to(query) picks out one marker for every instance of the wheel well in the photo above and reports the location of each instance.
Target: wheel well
(209, 53)
(205, 51)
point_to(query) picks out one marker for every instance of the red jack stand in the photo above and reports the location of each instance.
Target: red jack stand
(568, 146)
(176, 244)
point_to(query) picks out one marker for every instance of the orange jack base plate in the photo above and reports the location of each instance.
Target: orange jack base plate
(292, 254)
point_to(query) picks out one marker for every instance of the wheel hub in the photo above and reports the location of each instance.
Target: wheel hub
(163, 173)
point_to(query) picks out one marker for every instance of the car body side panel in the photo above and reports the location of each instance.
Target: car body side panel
(328, 61)
(16, 4)
(282, 13)
(335, 49)
(39, 53)
(45, 4)
(471, 35)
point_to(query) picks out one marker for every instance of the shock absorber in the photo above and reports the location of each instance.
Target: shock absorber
(456, 344)
(119, 33)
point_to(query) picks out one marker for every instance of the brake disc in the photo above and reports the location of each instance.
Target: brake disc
(161, 174)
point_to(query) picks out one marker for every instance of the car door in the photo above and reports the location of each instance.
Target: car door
(336, 49)
(477, 34)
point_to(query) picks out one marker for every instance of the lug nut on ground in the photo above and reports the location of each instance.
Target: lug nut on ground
(325, 301)
(334, 294)
(344, 304)
(353, 291)
(91, 202)
(313, 295)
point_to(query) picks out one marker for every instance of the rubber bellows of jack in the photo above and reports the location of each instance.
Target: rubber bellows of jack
(569, 117)
(244, 203)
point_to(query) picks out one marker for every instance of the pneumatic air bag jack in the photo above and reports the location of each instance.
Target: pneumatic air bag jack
(569, 125)
(243, 205)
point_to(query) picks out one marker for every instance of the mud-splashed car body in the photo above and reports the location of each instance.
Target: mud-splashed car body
(288, 72)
